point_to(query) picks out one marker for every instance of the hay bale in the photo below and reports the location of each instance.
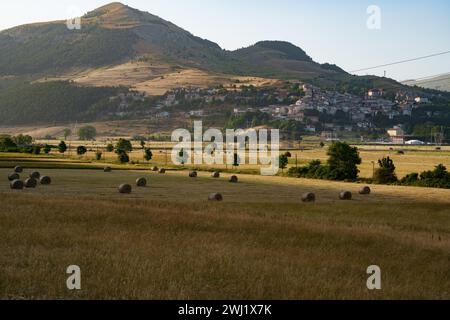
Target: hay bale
(45, 180)
(17, 184)
(30, 183)
(162, 171)
(155, 169)
(234, 179)
(35, 175)
(107, 169)
(215, 197)
(141, 182)
(309, 197)
(216, 174)
(18, 169)
(345, 195)
(193, 174)
(125, 188)
(13, 176)
(365, 190)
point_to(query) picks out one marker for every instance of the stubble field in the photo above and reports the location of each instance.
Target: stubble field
(166, 241)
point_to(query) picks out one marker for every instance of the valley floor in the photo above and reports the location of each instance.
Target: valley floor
(166, 241)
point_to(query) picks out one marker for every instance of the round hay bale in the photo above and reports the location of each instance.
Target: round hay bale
(30, 183)
(18, 169)
(309, 197)
(141, 182)
(45, 180)
(234, 179)
(125, 188)
(17, 185)
(155, 169)
(365, 190)
(193, 174)
(107, 169)
(216, 174)
(35, 175)
(345, 195)
(13, 176)
(162, 171)
(215, 197)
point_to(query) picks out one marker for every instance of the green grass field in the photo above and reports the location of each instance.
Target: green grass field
(166, 241)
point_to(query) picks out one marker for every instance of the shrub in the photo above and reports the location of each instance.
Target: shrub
(122, 156)
(81, 150)
(98, 156)
(410, 179)
(37, 150)
(386, 173)
(62, 147)
(47, 149)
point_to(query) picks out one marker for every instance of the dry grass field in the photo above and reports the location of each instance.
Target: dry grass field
(166, 241)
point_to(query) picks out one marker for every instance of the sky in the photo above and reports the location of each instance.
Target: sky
(339, 32)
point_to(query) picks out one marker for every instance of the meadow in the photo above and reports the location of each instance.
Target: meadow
(167, 241)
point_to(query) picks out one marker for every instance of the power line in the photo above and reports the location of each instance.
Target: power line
(403, 61)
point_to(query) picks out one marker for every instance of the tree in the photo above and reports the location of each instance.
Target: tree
(386, 173)
(7, 143)
(47, 149)
(284, 161)
(148, 154)
(62, 147)
(81, 150)
(67, 132)
(142, 143)
(122, 156)
(98, 155)
(343, 161)
(124, 145)
(110, 147)
(22, 140)
(87, 133)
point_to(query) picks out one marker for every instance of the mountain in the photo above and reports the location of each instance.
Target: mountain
(121, 47)
(115, 34)
(441, 82)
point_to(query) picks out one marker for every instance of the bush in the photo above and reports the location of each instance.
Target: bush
(81, 150)
(314, 170)
(98, 156)
(410, 180)
(37, 150)
(110, 148)
(62, 147)
(123, 156)
(47, 149)
(438, 178)
(386, 173)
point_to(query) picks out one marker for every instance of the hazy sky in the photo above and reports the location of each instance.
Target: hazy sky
(328, 30)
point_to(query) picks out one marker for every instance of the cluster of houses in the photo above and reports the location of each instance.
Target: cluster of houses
(318, 110)
(357, 111)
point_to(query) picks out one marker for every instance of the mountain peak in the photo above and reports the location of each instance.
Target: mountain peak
(111, 7)
(116, 14)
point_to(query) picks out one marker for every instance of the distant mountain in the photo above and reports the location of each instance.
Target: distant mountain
(441, 83)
